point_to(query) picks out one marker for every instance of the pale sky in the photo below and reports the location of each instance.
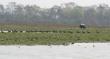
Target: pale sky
(50, 3)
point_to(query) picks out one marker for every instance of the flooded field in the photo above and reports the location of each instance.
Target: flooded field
(75, 51)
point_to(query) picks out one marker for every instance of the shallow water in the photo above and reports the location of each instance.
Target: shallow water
(75, 51)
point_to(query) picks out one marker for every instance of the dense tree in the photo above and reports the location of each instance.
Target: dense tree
(68, 13)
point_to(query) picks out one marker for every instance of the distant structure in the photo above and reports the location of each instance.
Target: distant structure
(82, 26)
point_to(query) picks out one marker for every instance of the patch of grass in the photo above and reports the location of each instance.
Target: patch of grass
(55, 38)
(52, 36)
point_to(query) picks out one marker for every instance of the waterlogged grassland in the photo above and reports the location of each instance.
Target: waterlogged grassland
(56, 37)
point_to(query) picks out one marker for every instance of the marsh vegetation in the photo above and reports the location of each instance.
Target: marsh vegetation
(47, 36)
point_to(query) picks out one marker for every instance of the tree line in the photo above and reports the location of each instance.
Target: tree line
(68, 13)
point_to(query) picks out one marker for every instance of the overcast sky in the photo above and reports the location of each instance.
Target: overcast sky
(50, 3)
